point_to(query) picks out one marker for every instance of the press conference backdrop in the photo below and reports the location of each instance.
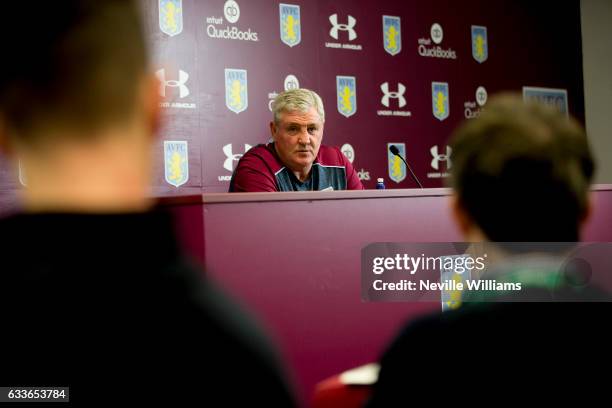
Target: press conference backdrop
(392, 72)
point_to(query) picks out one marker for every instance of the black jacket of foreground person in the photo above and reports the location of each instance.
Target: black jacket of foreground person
(107, 305)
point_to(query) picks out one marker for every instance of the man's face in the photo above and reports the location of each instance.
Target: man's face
(297, 138)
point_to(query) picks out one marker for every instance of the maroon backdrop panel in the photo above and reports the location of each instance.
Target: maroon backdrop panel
(526, 46)
(294, 260)
(193, 42)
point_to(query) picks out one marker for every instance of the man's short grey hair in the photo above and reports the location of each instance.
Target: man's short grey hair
(297, 100)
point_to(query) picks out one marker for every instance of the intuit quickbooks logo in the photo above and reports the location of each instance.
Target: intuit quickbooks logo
(432, 47)
(473, 109)
(291, 82)
(348, 151)
(217, 29)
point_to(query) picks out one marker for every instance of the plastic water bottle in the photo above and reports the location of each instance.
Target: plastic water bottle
(380, 184)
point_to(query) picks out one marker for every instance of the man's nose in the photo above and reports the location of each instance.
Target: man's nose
(304, 137)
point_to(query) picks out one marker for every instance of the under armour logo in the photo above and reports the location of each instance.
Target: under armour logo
(437, 158)
(228, 164)
(399, 95)
(180, 84)
(352, 21)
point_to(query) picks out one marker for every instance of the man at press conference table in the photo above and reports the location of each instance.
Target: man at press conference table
(295, 160)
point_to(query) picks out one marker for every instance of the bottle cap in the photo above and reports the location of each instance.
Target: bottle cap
(380, 180)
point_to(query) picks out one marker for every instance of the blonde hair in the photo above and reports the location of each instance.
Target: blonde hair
(300, 100)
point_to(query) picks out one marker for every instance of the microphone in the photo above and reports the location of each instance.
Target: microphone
(394, 150)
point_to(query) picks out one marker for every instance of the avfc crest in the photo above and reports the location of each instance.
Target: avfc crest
(480, 44)
(452, 299)
(392, 34)
(236, 91)
(290, 29)
(171, 17)
(346, 90)
(176, 163)
(556, 98)
(440, 103)
(397, 168)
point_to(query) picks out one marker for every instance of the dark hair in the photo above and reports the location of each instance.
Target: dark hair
(522, 171)
(71, 63)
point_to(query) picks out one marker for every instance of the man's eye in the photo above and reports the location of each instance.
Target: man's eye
(312, 130)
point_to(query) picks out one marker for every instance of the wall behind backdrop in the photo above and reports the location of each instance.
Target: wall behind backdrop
(597, 56)
(398, 71)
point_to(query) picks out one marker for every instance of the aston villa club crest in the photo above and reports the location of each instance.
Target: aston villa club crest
(290, 28)
(557, 98)
(392, 34)
(171, 17)
(452, 299)
(346, 89)
(480, 44)
(440, 102)
(176, 162)
(397, 168)
(236, 91)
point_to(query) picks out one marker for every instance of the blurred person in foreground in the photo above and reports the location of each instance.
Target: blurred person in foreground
(521, 174)
(295, 160)
(95, 293)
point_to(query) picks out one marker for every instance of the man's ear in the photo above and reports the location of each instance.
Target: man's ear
(273, 130)
(460, 215)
